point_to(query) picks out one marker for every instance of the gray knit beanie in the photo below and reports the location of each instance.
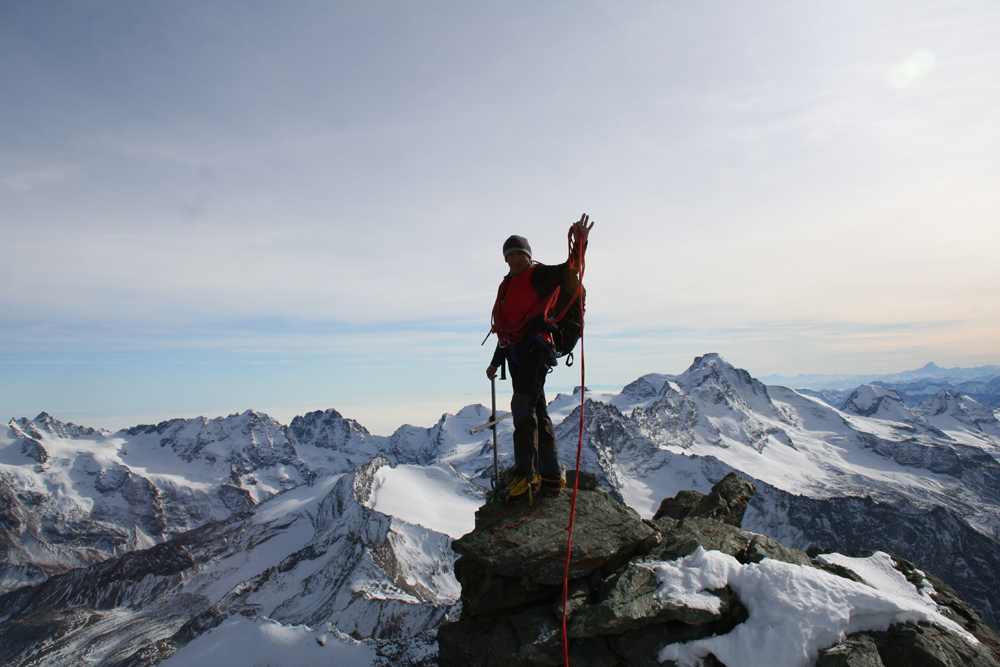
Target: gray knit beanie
(516, 244)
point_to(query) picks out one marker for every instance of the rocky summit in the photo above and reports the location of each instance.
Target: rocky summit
(512, 567)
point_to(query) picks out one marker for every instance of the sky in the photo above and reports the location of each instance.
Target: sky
(208, 207)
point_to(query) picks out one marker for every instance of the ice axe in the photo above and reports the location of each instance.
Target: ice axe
(494, 420)
(492, 424)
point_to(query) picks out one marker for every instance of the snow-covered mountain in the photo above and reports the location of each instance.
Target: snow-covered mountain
(72, 496)
(915, 483)
(315, 557)
(243, 527)
(959, 416)
(933, 371)
(913, 387)
(985, 391)
(930, 371)
(650, 433)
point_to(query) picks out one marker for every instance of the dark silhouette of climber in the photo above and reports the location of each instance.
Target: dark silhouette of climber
(525, 344)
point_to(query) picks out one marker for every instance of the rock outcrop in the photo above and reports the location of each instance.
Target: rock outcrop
(511, 569)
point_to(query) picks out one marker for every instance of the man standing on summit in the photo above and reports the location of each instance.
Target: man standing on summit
(524, 304)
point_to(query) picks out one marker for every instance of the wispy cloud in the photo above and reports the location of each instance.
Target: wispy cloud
(799, 187)
(32, 178)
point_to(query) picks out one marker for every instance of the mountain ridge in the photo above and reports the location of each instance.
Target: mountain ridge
(878, 475)
(848, 381)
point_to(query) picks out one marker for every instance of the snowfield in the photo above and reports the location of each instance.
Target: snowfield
(430, 496)
(261, 642)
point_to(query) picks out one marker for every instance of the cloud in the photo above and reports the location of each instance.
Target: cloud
(29, 179)
(332, 189)
(911, 70)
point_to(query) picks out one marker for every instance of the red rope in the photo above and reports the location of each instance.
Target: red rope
(579, 447)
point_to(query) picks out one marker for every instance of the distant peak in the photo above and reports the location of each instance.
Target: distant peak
(877, 391)
(469, 411)
(710, 359)
(931, 366)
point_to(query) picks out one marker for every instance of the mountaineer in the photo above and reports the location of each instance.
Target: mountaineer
(531, 301)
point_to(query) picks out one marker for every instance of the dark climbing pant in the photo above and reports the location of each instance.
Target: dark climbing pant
(535, 448)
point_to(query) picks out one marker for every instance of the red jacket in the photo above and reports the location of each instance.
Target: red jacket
(522, 298)
(517, 303)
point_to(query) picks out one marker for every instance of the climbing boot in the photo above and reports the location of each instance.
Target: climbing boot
(553, 485)
(553, 482)
(520, 488)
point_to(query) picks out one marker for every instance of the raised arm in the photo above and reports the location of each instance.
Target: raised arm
(578, 233)
(582, 227)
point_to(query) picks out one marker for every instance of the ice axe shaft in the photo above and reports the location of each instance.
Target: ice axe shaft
(496, 456)
(494, 420)
(492, 423)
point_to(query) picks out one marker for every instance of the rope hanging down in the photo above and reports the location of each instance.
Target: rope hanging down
(576, 251)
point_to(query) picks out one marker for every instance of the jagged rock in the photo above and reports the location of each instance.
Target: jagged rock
(727, 502)
(577, 595)
(638, 648)
(592, 652)
(683, 538)
(539, 635)
(530, 541)
(906, 646)
(628, 603)
(588, 480)
(679, 506)
(25, 428)
(328, 430)
(512, 615)
(953, 606)
(480, 642)
(855, 651)
(762, 546)
(235, 499)
(512, 566)
(45, 422)
(927, 646)
(34, 450)
(484, 593)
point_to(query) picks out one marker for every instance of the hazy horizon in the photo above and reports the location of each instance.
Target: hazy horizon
(373, 416)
